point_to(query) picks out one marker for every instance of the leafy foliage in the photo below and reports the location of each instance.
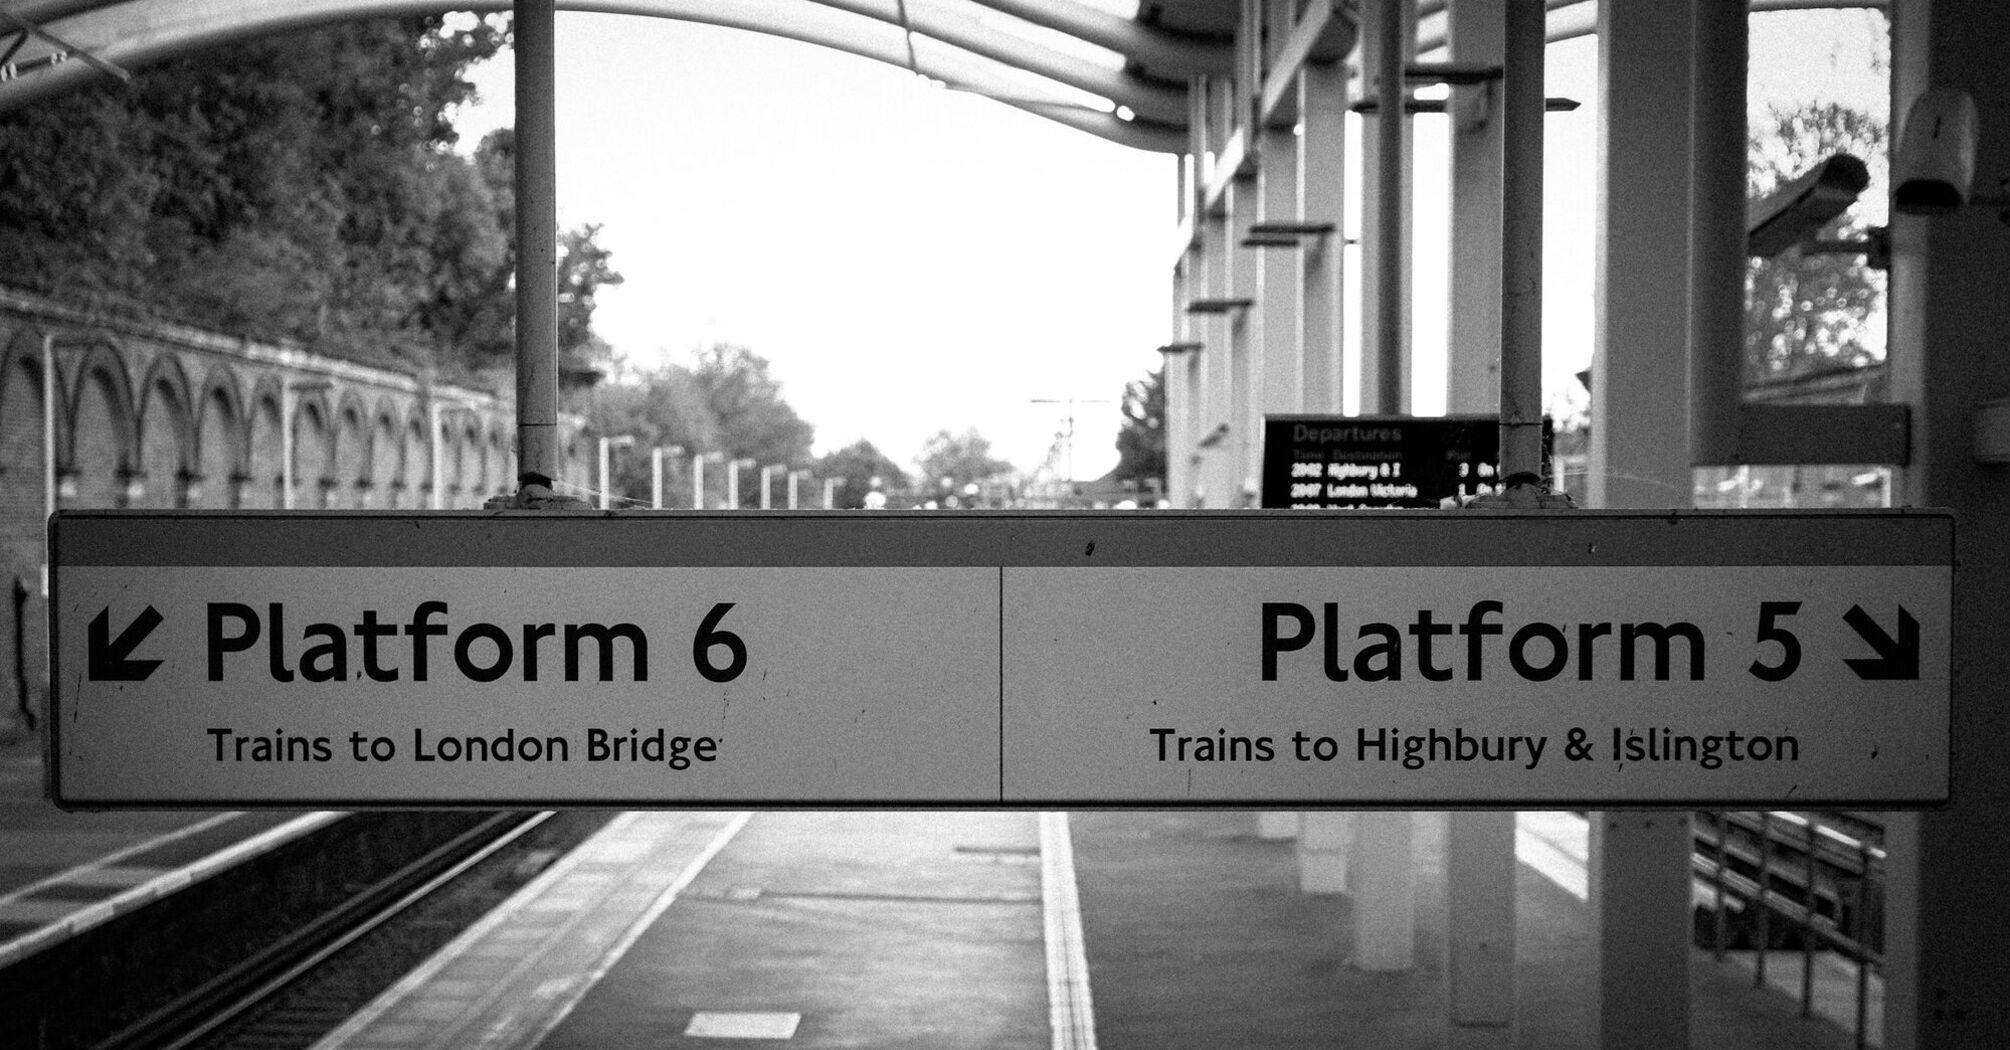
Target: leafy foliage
(727, 403)
(962, 458)
(298, 187)
(1141, 438)
(858, 464)
(746, 402)
(660, 409)
(1805, 313)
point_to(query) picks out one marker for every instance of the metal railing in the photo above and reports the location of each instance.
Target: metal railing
(1816, 879)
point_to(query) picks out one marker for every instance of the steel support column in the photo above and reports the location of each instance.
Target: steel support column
(1717, 229)
(539, 451)
(1387, 44)
(1521, 117)
(1217, 452)
(1322, 175)
(1176, 378)
(1245, 341)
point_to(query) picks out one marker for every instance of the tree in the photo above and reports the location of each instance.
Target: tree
(961, 458)
(659, 408)
(753, 419)
(858, 464)
(1141, 438)
(302, 187)
(1804, 313)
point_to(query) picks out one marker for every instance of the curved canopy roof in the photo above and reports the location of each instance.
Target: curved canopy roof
(1122, 78)
(1119, 76)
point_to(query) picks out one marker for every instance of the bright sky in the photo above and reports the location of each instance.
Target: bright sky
(911, 259)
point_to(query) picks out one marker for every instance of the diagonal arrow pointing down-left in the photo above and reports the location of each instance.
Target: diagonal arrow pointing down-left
(111, 658)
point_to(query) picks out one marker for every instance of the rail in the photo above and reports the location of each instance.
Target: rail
(235, 992)
(1815, 880)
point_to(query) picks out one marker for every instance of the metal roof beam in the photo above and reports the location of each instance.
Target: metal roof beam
(1155, 101)
(1155, 49)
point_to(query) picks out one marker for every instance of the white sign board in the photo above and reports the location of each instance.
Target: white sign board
(1400, 658)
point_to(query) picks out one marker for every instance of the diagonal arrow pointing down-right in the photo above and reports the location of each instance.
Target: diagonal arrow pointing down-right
(1896, 659)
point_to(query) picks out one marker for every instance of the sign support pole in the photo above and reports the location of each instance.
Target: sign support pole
(538, 448)
(1521, 239)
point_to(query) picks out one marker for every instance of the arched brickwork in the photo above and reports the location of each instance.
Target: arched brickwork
(501, 459)
(265, 449)
(387, 466)
(474, 462)
(351, 474)
(313, 448)
(219, 442)
(167, 435)
(418, 462)
(180, 418)
(97, 460)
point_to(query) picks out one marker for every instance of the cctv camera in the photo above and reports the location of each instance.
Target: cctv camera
(1791, 214)
(1936, 153)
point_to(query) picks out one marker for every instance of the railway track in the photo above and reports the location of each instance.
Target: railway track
(271, 957)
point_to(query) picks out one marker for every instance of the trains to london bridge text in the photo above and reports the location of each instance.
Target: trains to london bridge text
(595, 745)
(413, 648)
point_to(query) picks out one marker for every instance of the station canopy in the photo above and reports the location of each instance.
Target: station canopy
(1118, 69)
(1109, 67)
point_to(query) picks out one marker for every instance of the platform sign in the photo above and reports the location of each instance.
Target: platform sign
(1379, 462)
(1030, 659)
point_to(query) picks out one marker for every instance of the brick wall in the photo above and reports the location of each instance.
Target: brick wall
(165, 417)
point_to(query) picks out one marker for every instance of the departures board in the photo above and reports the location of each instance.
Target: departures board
(1379, 462)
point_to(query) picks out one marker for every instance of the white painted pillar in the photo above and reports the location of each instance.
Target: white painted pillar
(1324, 839)
(1322, 177)
(1479, 847)
(1318, 157)
(1277, 824)
(1639, 881)
(1480, 931)
(1947, 932)
(1478, 31)
(1280, 289)
(1639, 370)
(1639, 877)
(1381, 866)
(1385, 891)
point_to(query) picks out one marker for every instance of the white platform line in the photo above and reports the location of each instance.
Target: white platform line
(1071, 1014)
(642, 924)
(533, 1014)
